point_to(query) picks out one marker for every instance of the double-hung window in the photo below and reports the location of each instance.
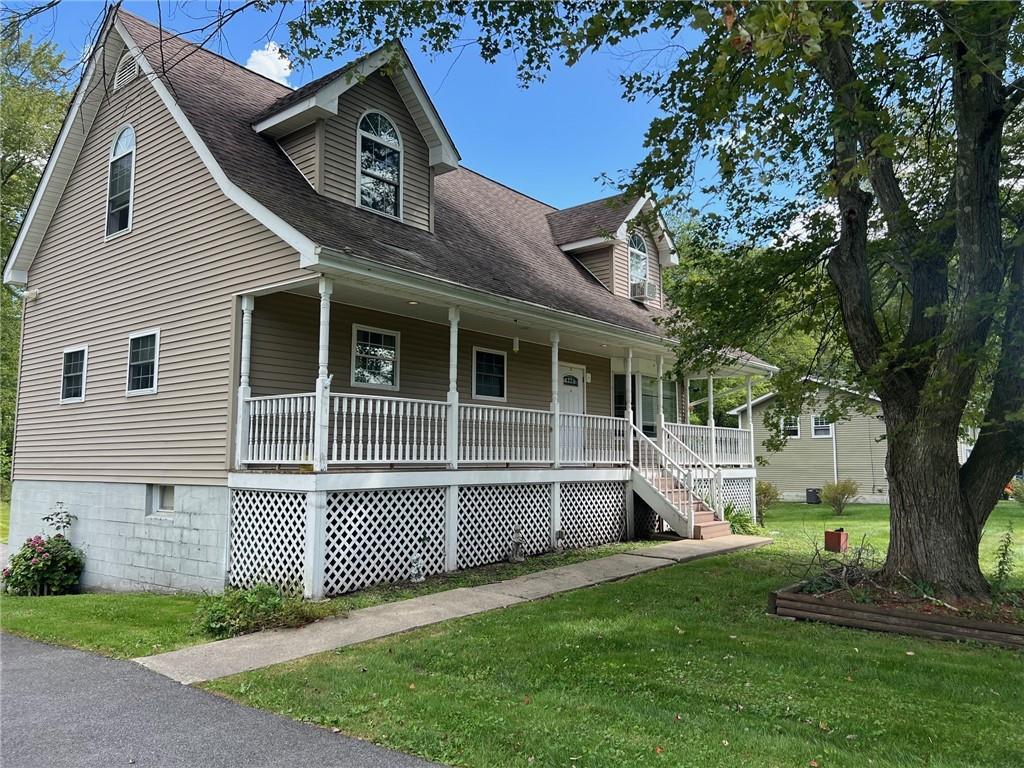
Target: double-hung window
(821, 427)
(72, 382)
(791, 426)
(143, 362)
(374, 357)
(489, 374)
(120, 179)
(379, 186)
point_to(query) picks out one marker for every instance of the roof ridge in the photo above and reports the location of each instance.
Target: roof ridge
(168, 32)
(593, 202)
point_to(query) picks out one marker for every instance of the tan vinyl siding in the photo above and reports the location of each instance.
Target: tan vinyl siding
(620, 277)
(284, 356)
(377, 92)
(302, 148)
(190, 249)
(862, 453)
(599, 263)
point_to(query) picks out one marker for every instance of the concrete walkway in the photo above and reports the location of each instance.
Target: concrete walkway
(262, 649)
(69, 709)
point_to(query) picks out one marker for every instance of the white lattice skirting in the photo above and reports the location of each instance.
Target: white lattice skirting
(736, 491)
(327, 543)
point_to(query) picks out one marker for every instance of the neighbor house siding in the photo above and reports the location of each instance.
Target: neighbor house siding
(190, 249)
(620, 277)
(861, 450)
(600, 265)
(302, 147)
(284, 356)
(377, 92)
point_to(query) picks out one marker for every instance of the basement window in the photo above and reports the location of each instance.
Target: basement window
(161, 499)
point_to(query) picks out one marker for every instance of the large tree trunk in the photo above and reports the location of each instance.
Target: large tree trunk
(933, 534)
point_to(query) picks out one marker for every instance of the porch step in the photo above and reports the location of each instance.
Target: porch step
(711, 530)
(702, 515)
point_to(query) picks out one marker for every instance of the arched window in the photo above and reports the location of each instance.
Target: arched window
(380, 165)
(119, 185)
(637, 259)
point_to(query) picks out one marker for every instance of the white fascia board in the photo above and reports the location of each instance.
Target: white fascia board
(294, 117)
(18, 262)
(589, 242)
(756, 401)
(243, 200)
(451, 293)
(667, 255)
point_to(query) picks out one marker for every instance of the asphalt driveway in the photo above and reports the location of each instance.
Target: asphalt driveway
(60, 707)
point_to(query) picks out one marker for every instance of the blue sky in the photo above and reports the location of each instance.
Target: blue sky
(549, 141)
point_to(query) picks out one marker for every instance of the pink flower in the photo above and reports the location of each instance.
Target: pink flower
(46, 555)
(7, 572)
(35, 561)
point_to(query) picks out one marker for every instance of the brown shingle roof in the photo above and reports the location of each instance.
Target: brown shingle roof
(486, 237)
(598, 218)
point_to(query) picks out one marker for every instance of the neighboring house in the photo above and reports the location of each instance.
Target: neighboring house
(284, 336)
(818, 451)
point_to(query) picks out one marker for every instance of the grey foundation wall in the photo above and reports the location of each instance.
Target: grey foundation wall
(126, 547)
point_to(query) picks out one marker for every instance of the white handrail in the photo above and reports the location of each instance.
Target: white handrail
(281, 429)
(491, 434)
(590, 439)
(710, 474)
(653, 463)
(732, 445)
(369, 429)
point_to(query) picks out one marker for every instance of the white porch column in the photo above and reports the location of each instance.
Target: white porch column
(750, 425)
(629, 405)
(556, 415)
(323, 379)
(315, 535)
(452, 437)
(660, 410)
(711, 420)
(244, 390)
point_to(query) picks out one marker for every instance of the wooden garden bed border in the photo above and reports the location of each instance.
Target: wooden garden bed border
(789, 602)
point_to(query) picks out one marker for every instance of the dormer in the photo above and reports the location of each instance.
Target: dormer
(622, 242)
(367, 135)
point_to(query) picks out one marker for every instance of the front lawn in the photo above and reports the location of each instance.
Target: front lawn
(127, 625)
(675, 667)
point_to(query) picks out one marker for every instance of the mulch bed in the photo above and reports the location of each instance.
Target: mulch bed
(886, 611)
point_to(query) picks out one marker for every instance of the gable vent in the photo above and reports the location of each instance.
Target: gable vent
(126, 71)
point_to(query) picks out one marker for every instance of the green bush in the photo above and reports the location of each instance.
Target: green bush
(740, 521)
(240, 611)
(766, 494)
(839, 495)
(1017, 491)
(44, 566)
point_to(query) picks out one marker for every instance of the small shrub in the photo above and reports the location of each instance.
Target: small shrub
(44, 566)
(1004, 562)
(1017, 491)
(766, 495)
(839, 495)
(740, 521)
(241, 611)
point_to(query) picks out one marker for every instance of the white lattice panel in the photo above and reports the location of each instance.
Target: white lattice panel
(268, 539)
(702, 486)
(490, 514)
(593, 513)
(736, 491)
(376, 536)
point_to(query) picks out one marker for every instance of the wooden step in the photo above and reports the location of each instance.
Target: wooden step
(702, 516)
(711, 530)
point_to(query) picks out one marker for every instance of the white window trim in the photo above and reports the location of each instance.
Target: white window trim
(398, 357)
(504, 354)
(156, 364)
(830, 425)
(131, 184)
(782, 428)
(647, 259)
(401, 165)
(85, 373)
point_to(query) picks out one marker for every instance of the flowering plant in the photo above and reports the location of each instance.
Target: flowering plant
(44, 566)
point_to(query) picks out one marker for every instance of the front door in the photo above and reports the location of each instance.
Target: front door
(572, 384)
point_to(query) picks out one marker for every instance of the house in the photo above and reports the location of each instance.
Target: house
(819, 451)
(283, 335)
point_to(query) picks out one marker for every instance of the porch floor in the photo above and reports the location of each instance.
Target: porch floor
(263, 649)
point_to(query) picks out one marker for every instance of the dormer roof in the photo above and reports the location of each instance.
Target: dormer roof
(605, 221)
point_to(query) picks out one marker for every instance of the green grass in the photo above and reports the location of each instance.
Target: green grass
(676, 667)
(5, 520)
(127, 625)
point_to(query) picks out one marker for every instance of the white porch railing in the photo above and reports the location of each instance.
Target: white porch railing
(367, 429)
(703, 479)
(281, 429)
(586, 439)
(493, 434)
(732, 446)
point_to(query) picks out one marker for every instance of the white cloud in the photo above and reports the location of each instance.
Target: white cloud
(270, 62)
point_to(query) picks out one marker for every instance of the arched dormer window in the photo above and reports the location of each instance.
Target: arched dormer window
(379, 186)
(121, 178)
(638, 264)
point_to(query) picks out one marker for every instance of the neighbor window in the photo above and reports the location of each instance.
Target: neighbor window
(821, 427)
(637, 259)
(161, 498)
(380, 165)
(374, 358)
(119, 184)
(488, 374)
(72, 383)
(143, 357)
(791, 426)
